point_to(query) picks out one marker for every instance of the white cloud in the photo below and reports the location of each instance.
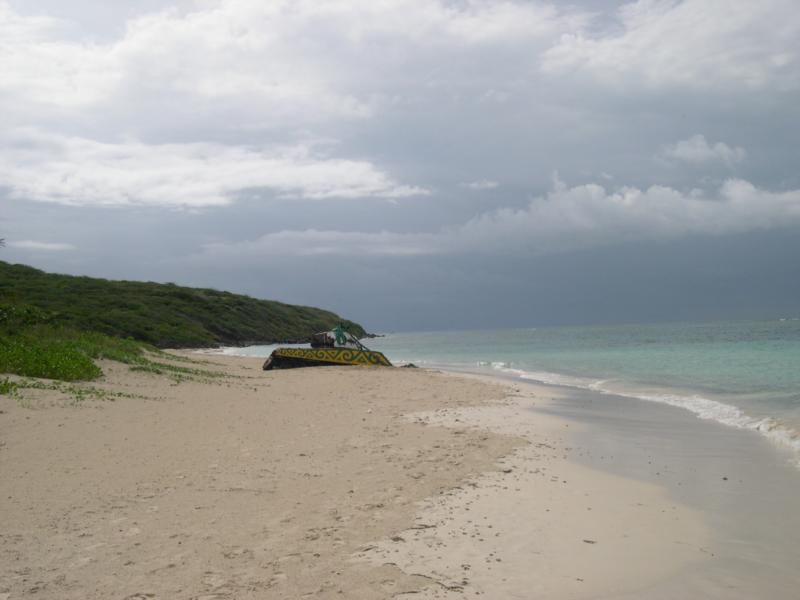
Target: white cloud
(481, 184)
(78, 171)
(566, 219)
(589, 215)
(43, 246)
(696, 43)
(41, 66)
(299, 60)
(696, 150)
(230, 53)
(227, 71)
(313, 242)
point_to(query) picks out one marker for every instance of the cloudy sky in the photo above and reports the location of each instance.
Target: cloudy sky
(413, 164)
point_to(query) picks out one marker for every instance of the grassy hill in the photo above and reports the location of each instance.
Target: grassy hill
(164, 315)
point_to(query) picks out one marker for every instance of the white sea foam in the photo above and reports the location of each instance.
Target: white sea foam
(704, 408)
(549, 378)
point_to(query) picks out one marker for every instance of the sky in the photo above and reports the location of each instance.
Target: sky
(413, 164)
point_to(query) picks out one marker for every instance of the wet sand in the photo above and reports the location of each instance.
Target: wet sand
(746, 487)
(324, 483)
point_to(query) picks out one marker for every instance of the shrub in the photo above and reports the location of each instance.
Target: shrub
(50, 357)
(167, 316)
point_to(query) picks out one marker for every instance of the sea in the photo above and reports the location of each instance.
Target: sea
(743, 374)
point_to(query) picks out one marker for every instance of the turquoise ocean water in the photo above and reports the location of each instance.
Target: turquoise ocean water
(742, 374)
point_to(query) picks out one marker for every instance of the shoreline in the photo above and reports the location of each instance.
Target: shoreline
(743, 484)
(783, 436)
(323, 482)
(783, 432)
(543, 525)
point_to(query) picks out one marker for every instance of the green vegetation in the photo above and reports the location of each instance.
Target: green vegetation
(57, 326)
(32, 344)
(51, 357)
(164, 315)
(7, 387)
(76, 393)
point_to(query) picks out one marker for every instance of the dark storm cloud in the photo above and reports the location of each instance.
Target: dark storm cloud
(425, 158)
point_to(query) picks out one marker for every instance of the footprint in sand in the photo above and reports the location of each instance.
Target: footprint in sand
(214, 580)
(237, 552)
(277, 578)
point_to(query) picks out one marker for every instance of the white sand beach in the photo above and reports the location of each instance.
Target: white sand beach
(323, 483)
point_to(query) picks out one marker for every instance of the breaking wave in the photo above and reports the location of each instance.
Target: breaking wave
(704, 408)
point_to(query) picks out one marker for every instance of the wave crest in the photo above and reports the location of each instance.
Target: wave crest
(704, 408)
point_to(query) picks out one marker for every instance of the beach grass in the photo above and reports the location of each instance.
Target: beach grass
(76, 392)
(51, 357)
(34, 344)
(61, 353)
(68, 355)
(7, 387)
